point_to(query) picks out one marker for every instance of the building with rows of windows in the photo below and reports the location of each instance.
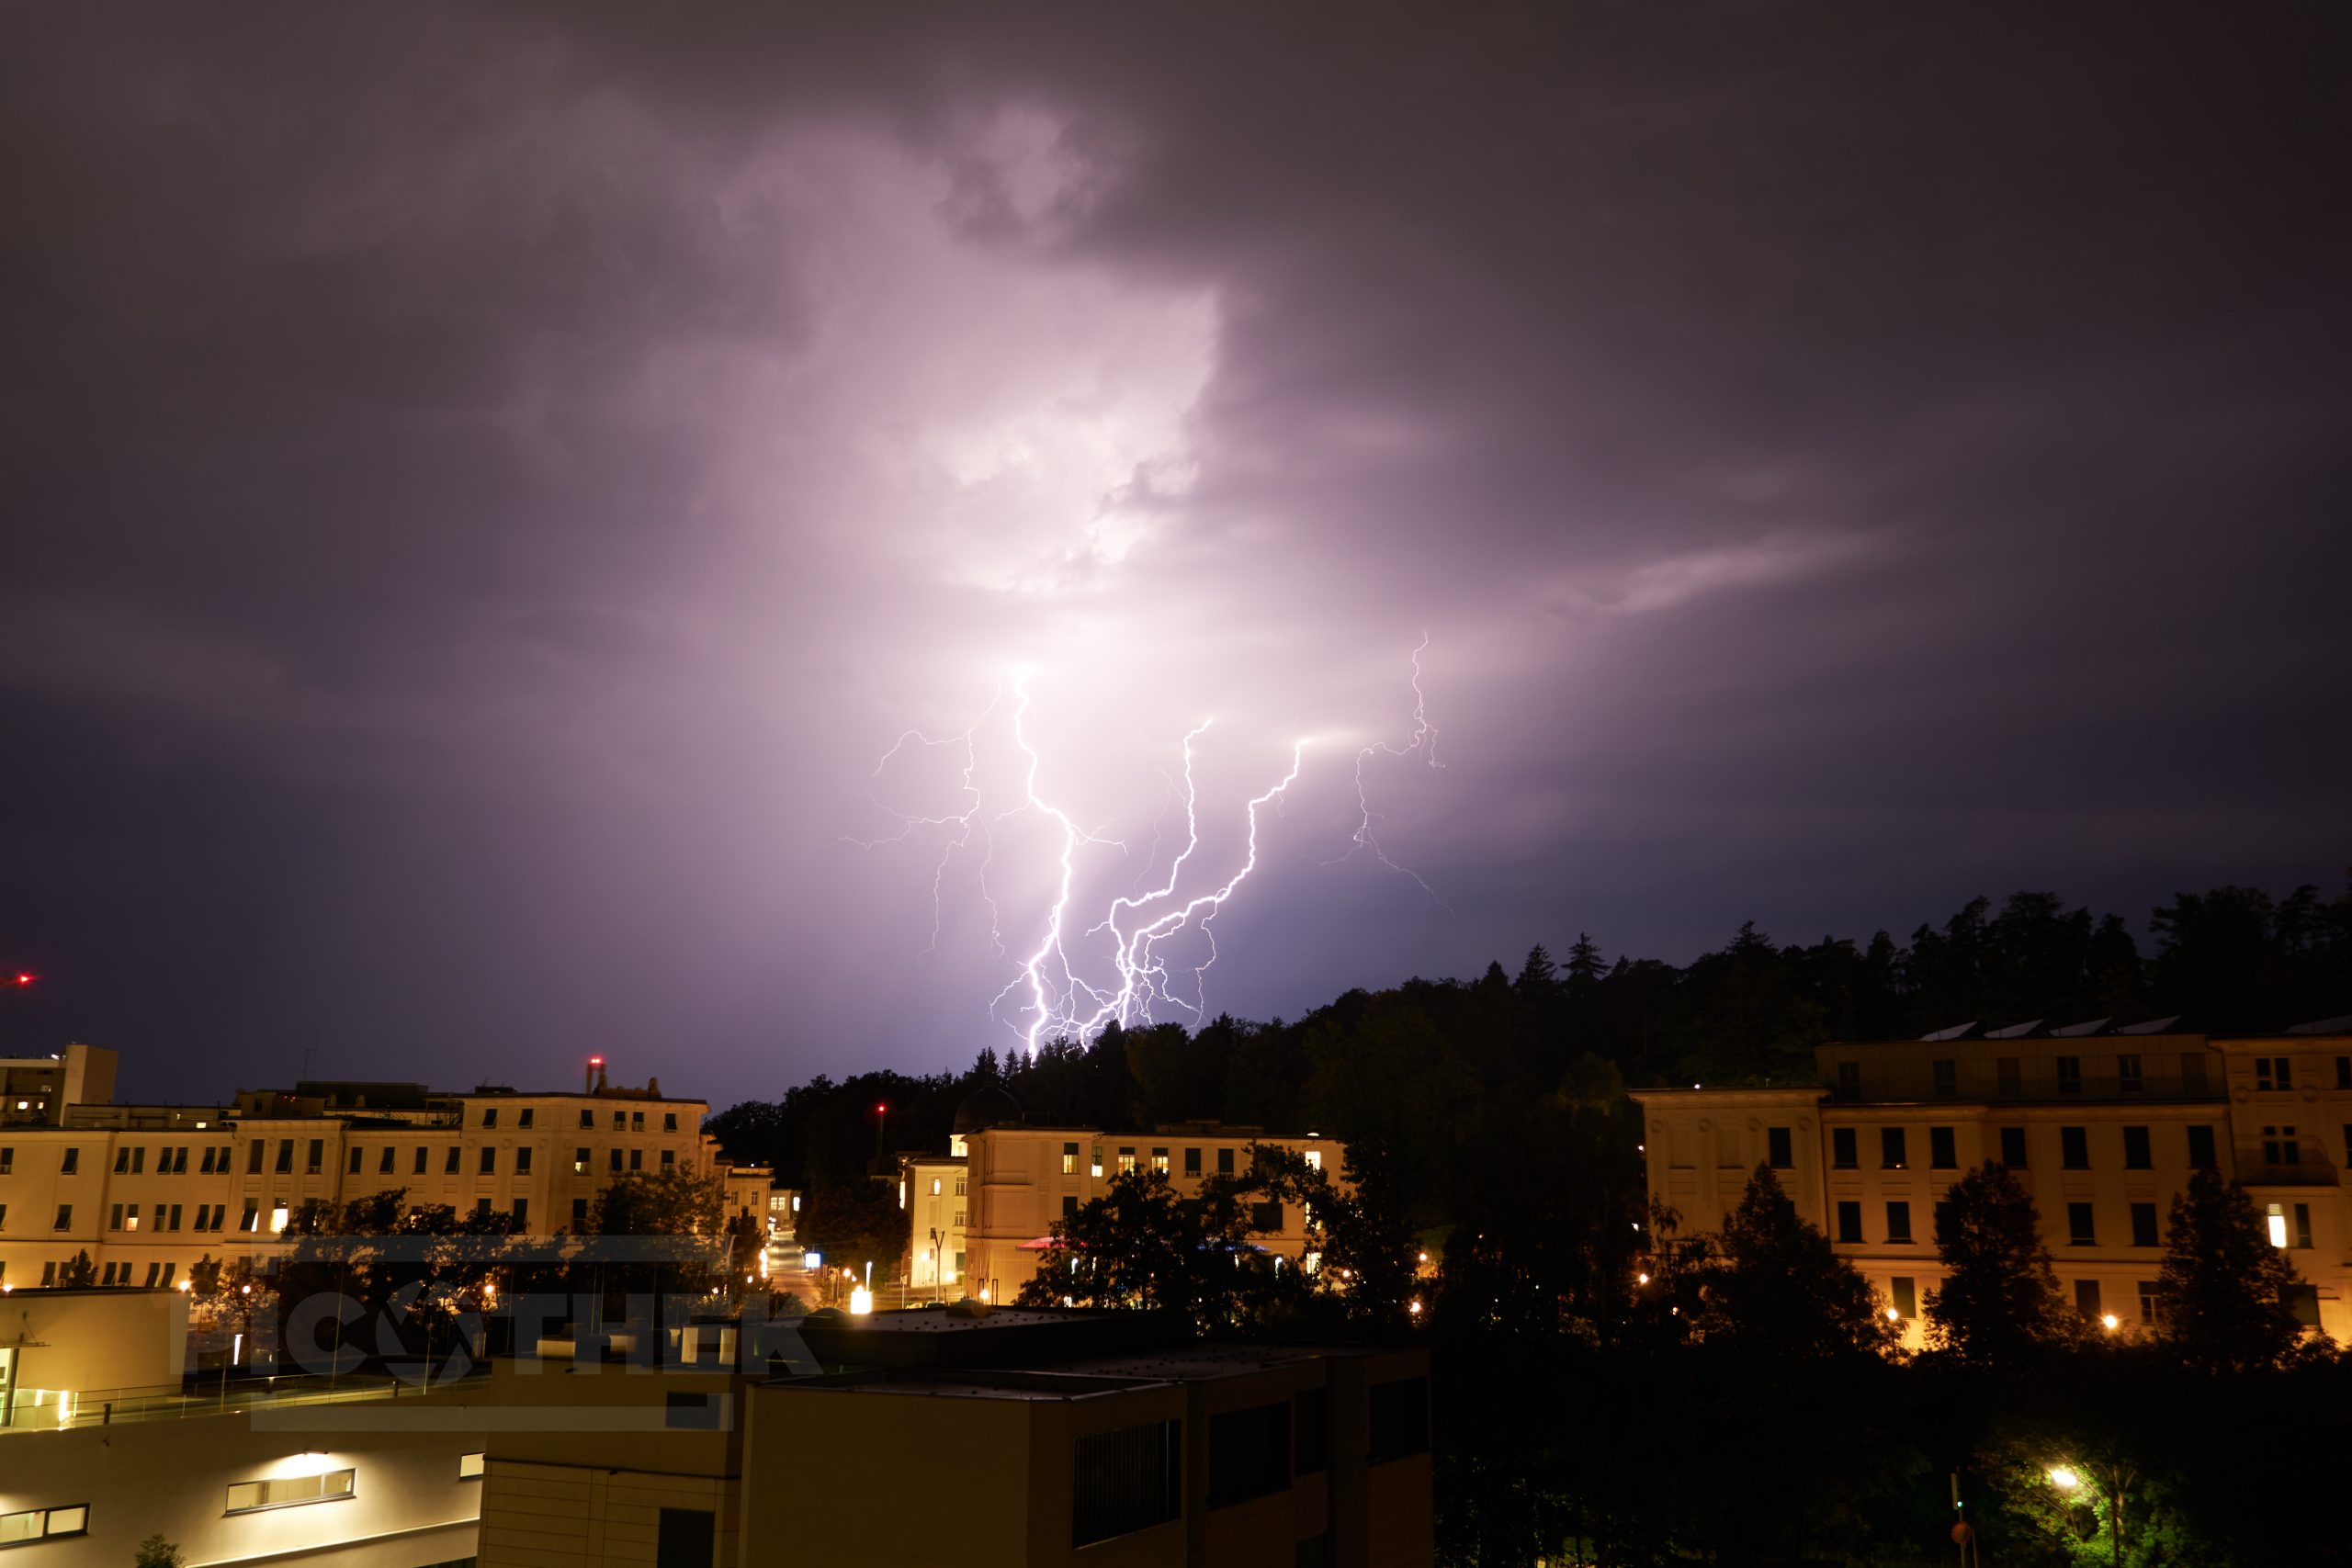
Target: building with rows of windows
(2103, 1127)
(1019, 1178)
(148, 1191)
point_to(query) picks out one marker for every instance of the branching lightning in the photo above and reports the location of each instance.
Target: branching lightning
(1050, 995)
(1423, 741)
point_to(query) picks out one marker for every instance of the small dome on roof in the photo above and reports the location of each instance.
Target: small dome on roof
(987, 1106)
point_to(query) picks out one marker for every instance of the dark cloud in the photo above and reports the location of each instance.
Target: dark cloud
(485, 484)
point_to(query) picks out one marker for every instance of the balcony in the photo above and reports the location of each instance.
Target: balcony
(2308, 1172)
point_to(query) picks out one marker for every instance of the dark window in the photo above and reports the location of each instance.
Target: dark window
(2280, 1147)
(1944, 1212)
(523, 1162)
(616, 1160)
(318, 1159)
(2148, 1304)
(1905, 1292)
(2081, 1230)
(2137, 1155)
(2070, 1074)
(424, 1151)
(384, 1165)
(1225, 1162)
(1313, 1551)
(2144, 1225)
(1849, 1080)
(1249, 1453)
(636, 1121)
(669, 1121)
(285, 1155)
(1780, 1149)
(2304, 1301)
(489, 1116)
(1843, 1151)
(1266, 1216)
(2344, 1072)
(1069, 1205)
(2075, 1148)
(2128, 1078)
(2013, 1147)
(1946, 1073)
(2192, 1072)
(691, 1412)
(488, 1160)
(683, 1537)
(1850, 1220)
(1126, 1480)
(2200, 1148)
(449, 1166)
(522, 1211)
(2274, 1072)
(2010, 1078)
(73, 1162)
(587, 1119)
(1891, 1153)
(522, 1118)
(1400, 1419)
(1311, 1431)
(1898, 1222)
(2086, 1298)
(578, 1212)
(2303, 1224)
(1191, 1162)
(1943, 1149)
(355, 1152)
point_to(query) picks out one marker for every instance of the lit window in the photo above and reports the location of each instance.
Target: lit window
(2277, 1225)
(245, 1496)
(1315, 1160)
(44, 1524)
(1160, 1161)
(469, 1467)
(1127, 1160)
(1069, 1159)
(935, 1186)
(278, 1219)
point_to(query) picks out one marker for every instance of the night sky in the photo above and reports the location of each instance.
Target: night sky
(484, 486)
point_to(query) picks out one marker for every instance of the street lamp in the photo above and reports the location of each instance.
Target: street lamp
(2067, 1478)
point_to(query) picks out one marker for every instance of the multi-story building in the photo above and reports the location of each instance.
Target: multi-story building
(2102, 1125)
(1035, 1437)
(36, 1090)
(1020, 1179)
(149, 1191)
(931, 1191)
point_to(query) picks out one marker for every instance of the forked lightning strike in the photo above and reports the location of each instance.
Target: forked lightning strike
(1057, 1001)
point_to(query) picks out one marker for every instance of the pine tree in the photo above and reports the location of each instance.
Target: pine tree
(1999, 1303)
(78, 1270)
(2224, 1285)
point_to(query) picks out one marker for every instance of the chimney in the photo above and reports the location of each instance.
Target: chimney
(653, 1087)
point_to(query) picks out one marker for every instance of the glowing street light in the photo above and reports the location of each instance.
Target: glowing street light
(2063, 1477)
(2110, 1322)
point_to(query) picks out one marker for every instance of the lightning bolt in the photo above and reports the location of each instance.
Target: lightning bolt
(1423, 739)
(1050, 994)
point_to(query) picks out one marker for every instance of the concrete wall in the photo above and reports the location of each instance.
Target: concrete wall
(85, 1339)
(140, 1478)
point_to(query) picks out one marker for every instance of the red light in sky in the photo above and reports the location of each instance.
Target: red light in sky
(596, 1061)
(24, 979)
(880, 1109)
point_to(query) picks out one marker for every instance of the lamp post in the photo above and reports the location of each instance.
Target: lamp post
(2065, 1477)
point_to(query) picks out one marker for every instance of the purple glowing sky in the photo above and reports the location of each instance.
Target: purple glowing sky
(484, 485)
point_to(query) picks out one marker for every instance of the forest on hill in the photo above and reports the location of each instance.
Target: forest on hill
(1405, 1064)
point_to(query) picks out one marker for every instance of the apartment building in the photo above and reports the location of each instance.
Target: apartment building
(149, 1191)
(932, 1189)
(36, 1090)
(2103, 1125)
(1020, 1179)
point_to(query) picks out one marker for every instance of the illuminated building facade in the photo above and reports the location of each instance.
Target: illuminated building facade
(2102, 1127)
(148, 1191)
(1020, 1179)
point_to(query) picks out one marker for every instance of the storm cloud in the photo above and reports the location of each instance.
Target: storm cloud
(484, 485)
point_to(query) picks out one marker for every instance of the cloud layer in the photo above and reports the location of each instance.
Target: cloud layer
(486, 485)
